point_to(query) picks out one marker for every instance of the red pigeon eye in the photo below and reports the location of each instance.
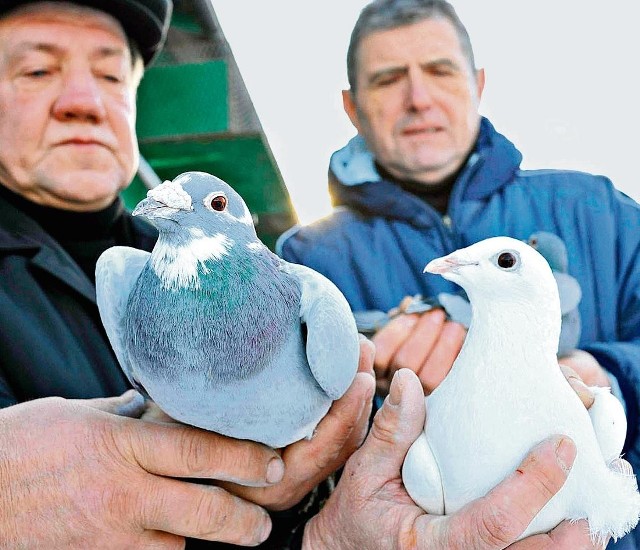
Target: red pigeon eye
(506, 260)
(219, 203)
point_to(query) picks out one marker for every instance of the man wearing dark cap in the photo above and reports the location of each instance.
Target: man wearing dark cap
(71, 474)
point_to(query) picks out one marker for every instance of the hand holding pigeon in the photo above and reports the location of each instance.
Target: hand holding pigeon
(218, 331)
(505, 393)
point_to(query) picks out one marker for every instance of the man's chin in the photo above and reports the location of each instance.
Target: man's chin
(83, 191)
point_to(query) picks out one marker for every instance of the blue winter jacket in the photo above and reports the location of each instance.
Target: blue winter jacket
(376, 243)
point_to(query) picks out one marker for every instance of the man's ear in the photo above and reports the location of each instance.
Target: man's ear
(349, 105)
(480, 82)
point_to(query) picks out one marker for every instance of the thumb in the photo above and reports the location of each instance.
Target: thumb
(130, 404)
(396, 425)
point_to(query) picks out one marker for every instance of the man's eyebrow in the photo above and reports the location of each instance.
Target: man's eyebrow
(443, 61)
(45, 47)
(25, 47)
(387, 71)
(403, 69)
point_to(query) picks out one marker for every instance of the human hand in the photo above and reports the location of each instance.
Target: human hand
(371, 509)
(74, 475)
(337, 436)
(426, 343)
(586, 366)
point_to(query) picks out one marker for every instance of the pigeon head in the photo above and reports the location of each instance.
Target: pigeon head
(500, 270)
(197, 201)
(552, 248)
(201, 219)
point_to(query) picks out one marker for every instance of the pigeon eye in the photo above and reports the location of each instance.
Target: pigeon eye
(219, 203)
(506, 260)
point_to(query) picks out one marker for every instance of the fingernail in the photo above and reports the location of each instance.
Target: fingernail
(565, 453)
(266, 529)
(275, 470)
(585, 393)
(395, 391)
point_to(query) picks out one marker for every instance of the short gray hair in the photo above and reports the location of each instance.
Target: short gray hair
(389, 14)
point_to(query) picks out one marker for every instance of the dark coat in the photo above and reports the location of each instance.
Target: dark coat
(52, 341)
(51, 338)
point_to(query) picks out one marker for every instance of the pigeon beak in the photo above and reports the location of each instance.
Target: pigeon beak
(446, 264)
(147, 207)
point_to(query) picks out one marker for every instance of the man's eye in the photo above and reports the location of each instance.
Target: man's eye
(37, 73)
(112, 78)
(442, 71)
(386, 80)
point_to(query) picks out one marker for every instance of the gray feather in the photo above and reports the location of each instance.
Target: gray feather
(223, 334)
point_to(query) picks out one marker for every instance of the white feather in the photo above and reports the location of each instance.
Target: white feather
(505, 393)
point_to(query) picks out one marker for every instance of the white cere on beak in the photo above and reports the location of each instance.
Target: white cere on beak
(172, 194)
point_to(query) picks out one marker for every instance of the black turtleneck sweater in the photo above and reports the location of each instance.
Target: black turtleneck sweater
(83, 235)
(435, 194)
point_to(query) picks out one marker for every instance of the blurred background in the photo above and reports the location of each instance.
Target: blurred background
(560, 84)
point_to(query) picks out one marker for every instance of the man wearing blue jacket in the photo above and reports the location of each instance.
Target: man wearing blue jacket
(426, 175)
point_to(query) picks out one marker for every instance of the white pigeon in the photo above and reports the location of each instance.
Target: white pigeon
(505, 393)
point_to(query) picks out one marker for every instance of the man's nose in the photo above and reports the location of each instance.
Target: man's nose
(80, 98)
(419, 93)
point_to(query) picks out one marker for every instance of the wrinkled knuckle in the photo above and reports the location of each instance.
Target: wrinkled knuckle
(212, 511)
(384, 430)
(546, 483)
(246, 458)
(542, 475)
(194, 454)
(497, 527)
(124, 504)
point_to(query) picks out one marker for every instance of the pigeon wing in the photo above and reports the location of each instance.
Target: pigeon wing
(421, 477)
(370, 321)
(332, 338)
(569, 291)
(117, 270)
(609, 423)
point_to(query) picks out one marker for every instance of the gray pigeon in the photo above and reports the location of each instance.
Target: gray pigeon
(505, 393)
(554, 251)
(456, 306)
(218, 331)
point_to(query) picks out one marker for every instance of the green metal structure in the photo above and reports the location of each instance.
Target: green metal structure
(194, 113)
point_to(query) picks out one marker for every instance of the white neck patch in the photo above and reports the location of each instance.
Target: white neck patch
(177, 266)
(172, 194)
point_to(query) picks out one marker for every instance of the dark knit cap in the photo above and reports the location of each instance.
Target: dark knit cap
(144, 21)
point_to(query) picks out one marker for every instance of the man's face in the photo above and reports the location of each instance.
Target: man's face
(67, 107)
(416, 100)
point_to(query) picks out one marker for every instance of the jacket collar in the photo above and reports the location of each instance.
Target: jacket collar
(22, 235)
(355, 182)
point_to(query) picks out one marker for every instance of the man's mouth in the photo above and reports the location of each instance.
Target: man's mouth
(82, 142)
(420, 130)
